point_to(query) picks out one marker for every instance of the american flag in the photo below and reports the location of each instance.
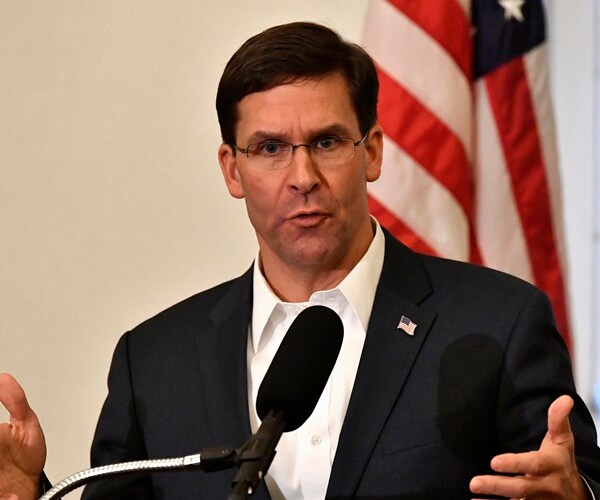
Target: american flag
(470, 163)
(407, 325)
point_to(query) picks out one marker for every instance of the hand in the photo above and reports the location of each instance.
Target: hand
(550, 472)
(22, 444)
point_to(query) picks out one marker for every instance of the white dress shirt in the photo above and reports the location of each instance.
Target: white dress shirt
(302, 465)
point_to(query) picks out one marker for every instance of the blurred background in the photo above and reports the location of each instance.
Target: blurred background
(112, 205)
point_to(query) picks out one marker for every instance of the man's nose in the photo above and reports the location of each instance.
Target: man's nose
(304, 173)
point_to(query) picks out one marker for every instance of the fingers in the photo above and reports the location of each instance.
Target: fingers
(13, 398)
(559, 429)
(557, 445)
(532, 463)
(550, 471)
(510, 487)
(568, 486)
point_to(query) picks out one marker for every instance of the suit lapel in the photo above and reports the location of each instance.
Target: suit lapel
(222, 353)
(386, 361)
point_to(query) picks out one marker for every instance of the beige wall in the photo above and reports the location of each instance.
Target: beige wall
(111, 201)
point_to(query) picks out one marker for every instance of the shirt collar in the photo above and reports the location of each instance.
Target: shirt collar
(358, 287)
(263, 304)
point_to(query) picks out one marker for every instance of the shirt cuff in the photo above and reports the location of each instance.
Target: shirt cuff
(591, 493)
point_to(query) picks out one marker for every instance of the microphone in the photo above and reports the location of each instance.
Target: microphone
(290, 390)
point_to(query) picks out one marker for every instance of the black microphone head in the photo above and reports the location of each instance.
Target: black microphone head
(301, 366)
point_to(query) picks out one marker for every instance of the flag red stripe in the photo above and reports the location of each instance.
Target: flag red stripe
(426, 139)
(398, 228)
(512, 106)
(450, 27)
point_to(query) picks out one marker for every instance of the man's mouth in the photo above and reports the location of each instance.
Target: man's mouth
(308, 218)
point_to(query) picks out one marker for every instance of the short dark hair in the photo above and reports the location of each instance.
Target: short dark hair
(291, 52)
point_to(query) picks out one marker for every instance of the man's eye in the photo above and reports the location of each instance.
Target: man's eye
(327, 143)
(268, 148)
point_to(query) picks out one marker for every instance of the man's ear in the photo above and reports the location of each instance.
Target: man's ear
(228, 162)
(374, 149)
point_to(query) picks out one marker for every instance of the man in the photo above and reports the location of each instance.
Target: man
(451, 377)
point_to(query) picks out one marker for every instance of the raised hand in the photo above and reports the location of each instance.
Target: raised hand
(549, 473)
(22, 444)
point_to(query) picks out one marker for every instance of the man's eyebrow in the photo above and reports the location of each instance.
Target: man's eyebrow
(264, 135)
(332, 129)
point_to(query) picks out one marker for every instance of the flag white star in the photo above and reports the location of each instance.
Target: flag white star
(512, 8)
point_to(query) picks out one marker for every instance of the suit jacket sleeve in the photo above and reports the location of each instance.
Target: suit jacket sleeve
(115, 443)
(537, 361)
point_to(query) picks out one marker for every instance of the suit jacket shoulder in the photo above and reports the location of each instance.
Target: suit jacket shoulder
(177, 385)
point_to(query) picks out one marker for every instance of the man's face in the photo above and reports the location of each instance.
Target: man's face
(305, 215)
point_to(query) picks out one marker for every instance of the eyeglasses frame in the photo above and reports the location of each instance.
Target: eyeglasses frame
(246, 151)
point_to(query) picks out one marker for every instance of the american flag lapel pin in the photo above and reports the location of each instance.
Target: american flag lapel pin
(407, 325)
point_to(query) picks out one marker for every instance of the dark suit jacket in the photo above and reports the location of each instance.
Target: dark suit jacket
(427, 412)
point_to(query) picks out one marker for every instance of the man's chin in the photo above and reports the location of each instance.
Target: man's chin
(312, 254)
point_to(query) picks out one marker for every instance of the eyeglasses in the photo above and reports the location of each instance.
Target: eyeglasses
(327, 152)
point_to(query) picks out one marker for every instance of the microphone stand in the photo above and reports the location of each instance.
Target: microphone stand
(257, 454)
(253, 461)
(208, 460)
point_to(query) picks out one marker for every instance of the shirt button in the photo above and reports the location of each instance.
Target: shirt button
(316, 440)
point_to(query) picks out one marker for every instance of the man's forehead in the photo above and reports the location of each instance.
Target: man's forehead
(334, 83)
(309, 104)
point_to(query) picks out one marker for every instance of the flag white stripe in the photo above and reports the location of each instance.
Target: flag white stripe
(501, 239)
(539, 84)
(405, 187)
(466, 6)
(415, 60)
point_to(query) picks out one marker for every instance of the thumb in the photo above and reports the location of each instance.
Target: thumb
(13, 398)
(559, 429)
